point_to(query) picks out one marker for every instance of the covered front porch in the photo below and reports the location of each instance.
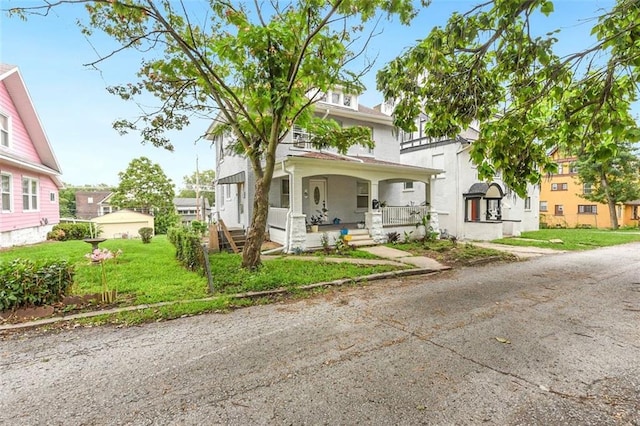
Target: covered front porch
(333, 194)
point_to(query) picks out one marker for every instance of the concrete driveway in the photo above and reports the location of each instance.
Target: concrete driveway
(551, 340)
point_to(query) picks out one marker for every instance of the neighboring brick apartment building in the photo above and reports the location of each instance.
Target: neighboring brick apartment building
(561, 204)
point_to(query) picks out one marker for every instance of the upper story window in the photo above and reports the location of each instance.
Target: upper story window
(4, 131)
(7, 193)
(30, 198)
(346, 100)
(560, 168)
(408, 186)
(527, 203)
(301, 137)
(587, 188)
(336, 97)
(559, 186)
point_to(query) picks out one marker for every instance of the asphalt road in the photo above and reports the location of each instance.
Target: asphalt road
(552, 340)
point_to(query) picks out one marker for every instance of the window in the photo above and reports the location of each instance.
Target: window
(227, 191)
(573, 168)
(587, 188)
(408, 186)
(559, 186)
(370, 150)
(543, 206)
(4, 130)
(527, 203)
(362, 195)
(560, 168)
(221, 150)
(346, 100)
(284, 193)
(7, 195)
(494, 211)
(89, 200)
(588, 209)
(635, 214)
(335, 98)
(52, 197)
(300, 137)
(29, 194)
(559, 210)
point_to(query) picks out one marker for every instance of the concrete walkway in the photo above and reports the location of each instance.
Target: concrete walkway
(404, 257)
(519, 251)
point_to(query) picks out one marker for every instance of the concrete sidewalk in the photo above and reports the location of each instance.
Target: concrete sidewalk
(406, 258)
(519, 251)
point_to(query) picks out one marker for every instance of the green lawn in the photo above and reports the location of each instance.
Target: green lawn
(149, 273)
(573, 239)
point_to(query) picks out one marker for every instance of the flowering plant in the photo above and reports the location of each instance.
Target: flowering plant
(101, 256)
(316, 220)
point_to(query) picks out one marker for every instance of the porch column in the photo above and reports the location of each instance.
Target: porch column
(297, 233)
(295, 193)
(373, 222)
(374, 192)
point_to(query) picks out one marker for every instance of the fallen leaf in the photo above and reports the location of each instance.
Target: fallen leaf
(503, 340)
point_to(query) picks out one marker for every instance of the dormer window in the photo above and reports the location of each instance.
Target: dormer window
(335, 98)
(346, 100)
(4, 131)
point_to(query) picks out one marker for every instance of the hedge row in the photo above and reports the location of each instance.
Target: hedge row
(26, 283)
(188, 248)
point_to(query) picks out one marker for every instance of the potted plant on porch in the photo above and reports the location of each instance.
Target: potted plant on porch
(315, 221)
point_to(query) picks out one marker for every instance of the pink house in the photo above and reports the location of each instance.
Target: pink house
(29, 170)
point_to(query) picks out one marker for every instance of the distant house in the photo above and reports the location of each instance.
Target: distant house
(90, 204)
(122, 224)
(190, 209)
(29, 170)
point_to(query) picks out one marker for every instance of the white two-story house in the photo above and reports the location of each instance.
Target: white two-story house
(467, 208)
(342, 191)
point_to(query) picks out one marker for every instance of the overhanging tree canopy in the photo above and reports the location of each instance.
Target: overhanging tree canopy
(490, 65)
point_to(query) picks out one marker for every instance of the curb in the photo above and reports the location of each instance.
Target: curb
(344, 281)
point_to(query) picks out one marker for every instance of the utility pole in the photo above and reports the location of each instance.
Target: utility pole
(198, 216)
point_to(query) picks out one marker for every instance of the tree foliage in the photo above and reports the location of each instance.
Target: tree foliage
(490, 65)
(67, 202)
(144, 186)
(258, 67)
(613, 180)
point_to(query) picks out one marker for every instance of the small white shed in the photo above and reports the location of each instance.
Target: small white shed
(122, 224)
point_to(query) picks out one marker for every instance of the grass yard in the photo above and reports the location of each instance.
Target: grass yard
(149, 273)
(452, 254)
(573, 239)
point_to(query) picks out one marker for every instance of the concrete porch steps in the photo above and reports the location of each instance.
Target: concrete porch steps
(360, 238)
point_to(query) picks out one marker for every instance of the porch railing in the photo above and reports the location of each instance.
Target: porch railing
(277, 217)
(404, 215)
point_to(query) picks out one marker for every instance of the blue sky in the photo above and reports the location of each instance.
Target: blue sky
(77, 112)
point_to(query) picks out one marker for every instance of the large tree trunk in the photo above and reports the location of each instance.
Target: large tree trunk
(610, 202)
(255, 237)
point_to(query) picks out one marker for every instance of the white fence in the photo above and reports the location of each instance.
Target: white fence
(405, 215)
(277, 217)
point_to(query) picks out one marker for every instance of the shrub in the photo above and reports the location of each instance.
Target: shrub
(199, 227)
(146, 234)
(26, 283)
(188, 249)
(393, 237)
(56, 235)
(71, 231)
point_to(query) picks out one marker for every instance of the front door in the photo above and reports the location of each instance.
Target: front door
(317, 197)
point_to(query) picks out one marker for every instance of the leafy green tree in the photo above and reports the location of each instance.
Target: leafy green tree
(205, 179)
(258, 67)
(67, 201)
(490, 65)
(144, 186)
(613, 180)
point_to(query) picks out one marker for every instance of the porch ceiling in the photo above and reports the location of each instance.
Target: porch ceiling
(313, 163)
